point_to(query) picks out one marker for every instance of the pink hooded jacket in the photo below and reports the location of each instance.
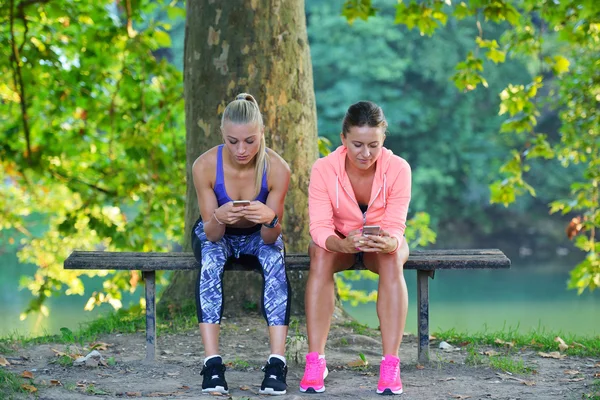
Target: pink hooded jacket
(332, 205)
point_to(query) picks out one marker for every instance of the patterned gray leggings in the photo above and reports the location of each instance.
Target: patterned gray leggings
(213, 256)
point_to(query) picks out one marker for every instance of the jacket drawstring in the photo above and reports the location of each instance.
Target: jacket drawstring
(337, 184)
(384, 190)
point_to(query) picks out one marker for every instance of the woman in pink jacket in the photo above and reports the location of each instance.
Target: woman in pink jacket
(360, 184)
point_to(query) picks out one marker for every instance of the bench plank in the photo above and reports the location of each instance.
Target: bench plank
(426, 262)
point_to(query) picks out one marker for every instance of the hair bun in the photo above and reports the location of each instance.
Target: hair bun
(245, 96)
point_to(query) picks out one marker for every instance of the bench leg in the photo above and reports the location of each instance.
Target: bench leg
(423, 314)
(149, 278)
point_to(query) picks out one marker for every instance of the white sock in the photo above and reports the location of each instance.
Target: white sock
(282, 358)
(209, 357)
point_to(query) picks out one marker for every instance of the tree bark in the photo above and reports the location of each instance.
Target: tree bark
(259, 47)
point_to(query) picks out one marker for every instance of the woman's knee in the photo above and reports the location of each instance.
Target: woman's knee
(391, 266)
(321, 260)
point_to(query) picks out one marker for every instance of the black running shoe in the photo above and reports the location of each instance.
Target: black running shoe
(275, 373)
(214, 376)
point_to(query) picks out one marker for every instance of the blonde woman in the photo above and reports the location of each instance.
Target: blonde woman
(241, 187)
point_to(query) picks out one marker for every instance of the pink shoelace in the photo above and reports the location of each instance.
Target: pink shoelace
(390, 371)
(313, 369)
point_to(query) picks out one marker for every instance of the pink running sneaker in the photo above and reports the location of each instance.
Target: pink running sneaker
(389, 376)
(314, 374)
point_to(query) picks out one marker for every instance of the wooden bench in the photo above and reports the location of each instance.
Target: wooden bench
(426, 262)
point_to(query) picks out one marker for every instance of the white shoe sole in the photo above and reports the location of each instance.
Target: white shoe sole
(217, 389)
(389, 391)
(272, 392)
(313, 390)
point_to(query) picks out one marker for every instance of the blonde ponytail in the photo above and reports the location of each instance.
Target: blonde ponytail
(244, 110)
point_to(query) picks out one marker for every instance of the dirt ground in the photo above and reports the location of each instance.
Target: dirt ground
(244, 344)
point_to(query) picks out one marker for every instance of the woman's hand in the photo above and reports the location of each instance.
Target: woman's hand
(258, 212)
(350, 243)
(228, 214)
(384, 243)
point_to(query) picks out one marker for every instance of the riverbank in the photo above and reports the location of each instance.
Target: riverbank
(499, 365)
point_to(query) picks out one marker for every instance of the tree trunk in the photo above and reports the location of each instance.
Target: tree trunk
(259, 47)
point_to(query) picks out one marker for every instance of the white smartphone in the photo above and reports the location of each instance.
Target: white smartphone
(241, 203)
(371, 230)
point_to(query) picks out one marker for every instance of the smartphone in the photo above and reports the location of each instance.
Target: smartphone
(373, 230)
(241, 203)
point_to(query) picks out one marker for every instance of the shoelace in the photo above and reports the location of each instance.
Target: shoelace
(273, 369)
(390, 371)
(214, 370)
(314, 368)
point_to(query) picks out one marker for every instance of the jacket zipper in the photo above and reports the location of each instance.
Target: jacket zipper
(356, 202)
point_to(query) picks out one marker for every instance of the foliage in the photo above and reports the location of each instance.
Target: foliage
(449, 139)
(562, 40)
(91, 137)
(10, 385)
(537, 340)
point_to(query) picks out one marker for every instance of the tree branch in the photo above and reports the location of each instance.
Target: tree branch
(18, 81)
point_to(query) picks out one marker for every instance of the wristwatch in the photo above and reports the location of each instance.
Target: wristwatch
(273, 222)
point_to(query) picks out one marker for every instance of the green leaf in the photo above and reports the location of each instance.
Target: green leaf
(162, 38)
(561, 65)
(175, 12)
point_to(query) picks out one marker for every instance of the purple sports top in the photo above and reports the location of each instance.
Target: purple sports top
(221, 192)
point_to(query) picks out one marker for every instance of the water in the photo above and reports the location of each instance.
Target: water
(526, 296)
(65, 311)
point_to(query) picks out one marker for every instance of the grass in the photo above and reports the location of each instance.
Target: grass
(10, 385)
(122, 321)
(595, 391)
(537, 340)
(359, 328)
(508, 364)
(239, 364)
(500, 362)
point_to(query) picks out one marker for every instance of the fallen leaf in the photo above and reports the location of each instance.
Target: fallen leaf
(216, 394)
(553, 354)
(29, 388)
(358, 363)
(3, 362)
(575, 379)
(134, 394)
(528, 383)
(185, 387)
(597, 375)
(419, 366)
(448, 379)
(81, 385)
(431, 337)
(578, 345)
(27, 375)
(55, 382)
(99, 346)
(562, 346)
(159, 394)
(59, 353)
(244, 388)
(459, 396)
(571, 372)
(508, 344)
(490, 353)
(597, 365)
